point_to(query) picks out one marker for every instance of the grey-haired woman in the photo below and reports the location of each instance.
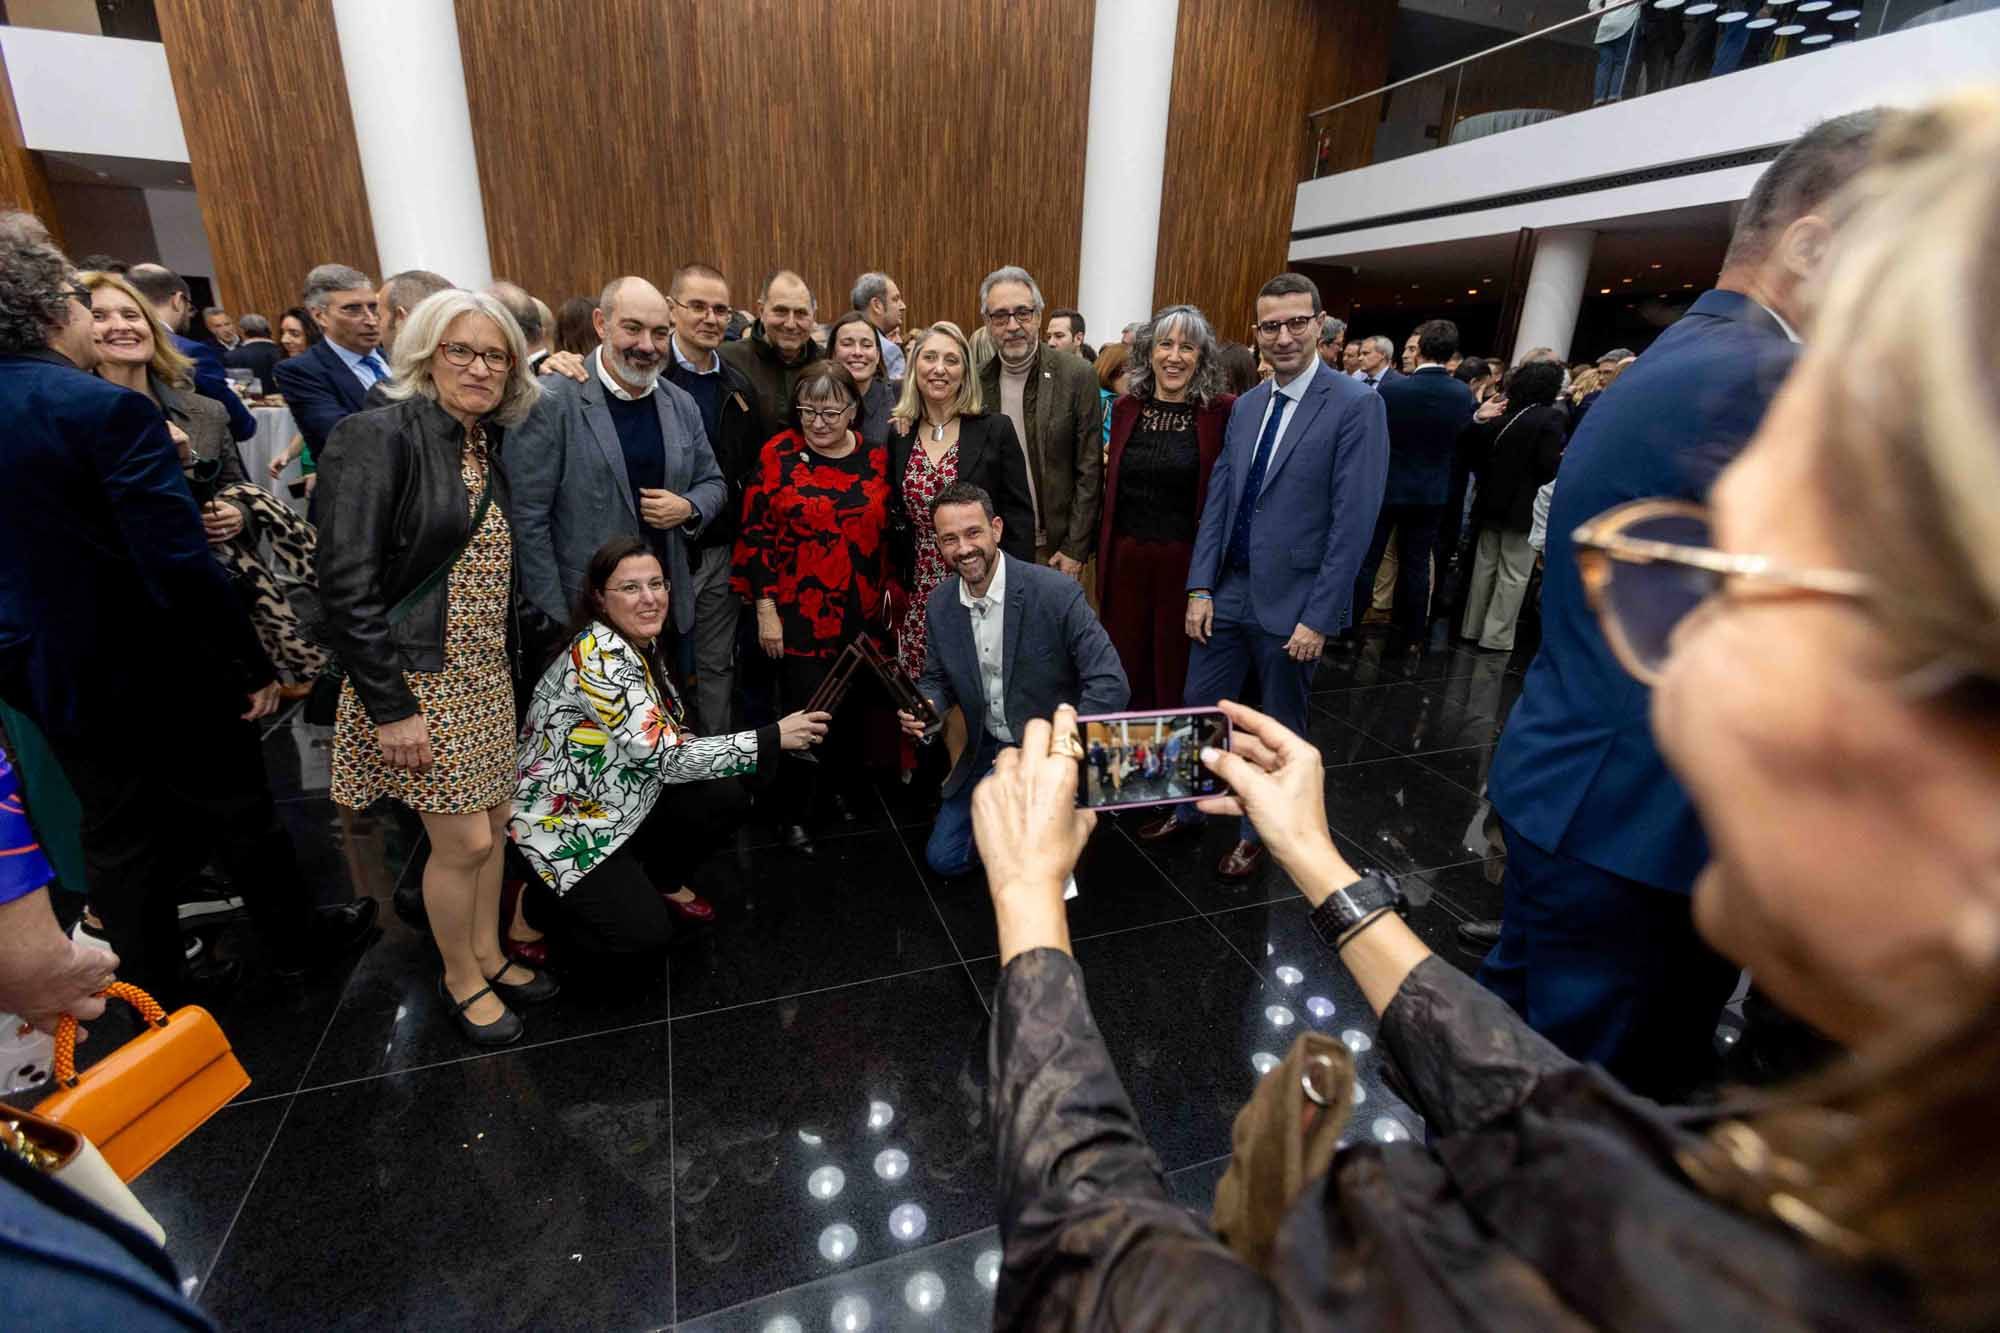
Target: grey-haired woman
(1166, 433)
(416, 565)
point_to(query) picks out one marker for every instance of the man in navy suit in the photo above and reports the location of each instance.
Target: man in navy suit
(1378, 363)
(331, 379)
(113, 607)
(1009, 640)
(167, 292)
(1598, 949)
(1291, 506)
(1427, 409)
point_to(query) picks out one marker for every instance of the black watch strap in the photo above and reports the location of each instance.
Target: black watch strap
(1347, 908)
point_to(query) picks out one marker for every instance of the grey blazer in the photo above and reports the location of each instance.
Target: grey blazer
(571, 494)
(1055, 652)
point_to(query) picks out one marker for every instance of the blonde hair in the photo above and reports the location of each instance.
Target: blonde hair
(423, 330)
(910, 406)
(173, 369)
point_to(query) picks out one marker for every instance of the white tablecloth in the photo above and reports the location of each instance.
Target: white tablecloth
(275, 430)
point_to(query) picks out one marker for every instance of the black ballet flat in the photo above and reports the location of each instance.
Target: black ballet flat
(503, 1031)
(543, 987)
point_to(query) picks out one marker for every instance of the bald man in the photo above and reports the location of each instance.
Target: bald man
(779, 343)
(623, 451)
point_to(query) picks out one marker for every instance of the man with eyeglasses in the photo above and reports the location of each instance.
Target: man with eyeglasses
(621, 452)
(1598, 948)
(330, 380)
(1291, 506)
(699, 300)
(778, 346)
(1057, 415)
(1332, 342)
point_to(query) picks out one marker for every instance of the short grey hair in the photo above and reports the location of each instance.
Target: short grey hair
(1333, 330)
(326, 279)
(35, 282)
(254, 326)
(417, 346)
(1187, 322)
(1010, 273)
(1383, 344)
(525, 309)
(412, 287)
(870, 287)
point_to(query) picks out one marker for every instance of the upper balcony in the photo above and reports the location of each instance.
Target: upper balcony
(1483, 130)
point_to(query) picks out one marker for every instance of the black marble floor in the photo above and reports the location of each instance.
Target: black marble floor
(785, 1128)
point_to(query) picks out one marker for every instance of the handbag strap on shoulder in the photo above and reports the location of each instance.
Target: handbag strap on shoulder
(65, 1062)
(401, 610)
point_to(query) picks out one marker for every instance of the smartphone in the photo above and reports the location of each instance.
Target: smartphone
(1154, 758)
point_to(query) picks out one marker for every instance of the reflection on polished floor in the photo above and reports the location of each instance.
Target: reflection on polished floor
(785, 1129)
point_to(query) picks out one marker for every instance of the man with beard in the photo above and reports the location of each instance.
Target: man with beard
(778, 345)
(1057, 414)
(1008, 642)
(622, 452)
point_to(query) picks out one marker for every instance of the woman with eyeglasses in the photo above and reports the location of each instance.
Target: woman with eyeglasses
(1825, 666)
(1514, 445)
(606, 736)
(417, 582)
(813, 560)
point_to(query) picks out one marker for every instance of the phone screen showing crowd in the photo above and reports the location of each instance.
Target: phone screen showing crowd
(1150, 759)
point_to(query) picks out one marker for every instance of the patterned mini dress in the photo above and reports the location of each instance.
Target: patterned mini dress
(922, 482)
(469, 706)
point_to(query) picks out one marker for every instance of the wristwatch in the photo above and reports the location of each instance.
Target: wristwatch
(1344, 909)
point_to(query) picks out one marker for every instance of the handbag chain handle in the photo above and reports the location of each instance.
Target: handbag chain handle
(149, 1009)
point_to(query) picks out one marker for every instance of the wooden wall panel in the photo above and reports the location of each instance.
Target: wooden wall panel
(264, 104)
(1246, 72)
(23, 183)
(934, 142)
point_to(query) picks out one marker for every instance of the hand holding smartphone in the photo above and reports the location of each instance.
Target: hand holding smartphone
(1149, 758)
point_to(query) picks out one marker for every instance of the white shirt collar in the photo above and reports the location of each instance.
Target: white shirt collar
(1429, 365)
(1296, 390)
(714, 361)
(610, 381)
(996, 591)
(1783, 323)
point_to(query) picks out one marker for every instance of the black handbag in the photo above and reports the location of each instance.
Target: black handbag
(323, 704)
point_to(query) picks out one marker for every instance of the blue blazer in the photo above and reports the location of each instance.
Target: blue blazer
(211, 380)
(1322, 491)
(1427, 411)
(110, 599)
(1054, 652)
(1577, 771)
(320, 390)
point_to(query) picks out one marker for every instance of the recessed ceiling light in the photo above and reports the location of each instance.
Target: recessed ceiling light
(1814, 6)
(1843, 16)
(1693, 11)
(1486, 279)
(1817, 39)
(1791, 30)
(1656, 266)
(1733, 16)
(1668, 4)
(1604, 291)
(1472, 291)
(1757, 24)
(1625, 279)
(1687, 284)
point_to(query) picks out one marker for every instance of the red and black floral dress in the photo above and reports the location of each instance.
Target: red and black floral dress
(814, 540)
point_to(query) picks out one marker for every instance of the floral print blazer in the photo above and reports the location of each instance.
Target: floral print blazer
(602, 739)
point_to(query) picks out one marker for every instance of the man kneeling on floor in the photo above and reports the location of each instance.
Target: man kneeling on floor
(1008, 642)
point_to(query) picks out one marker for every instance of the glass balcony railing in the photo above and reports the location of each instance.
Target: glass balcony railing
(1625, 49)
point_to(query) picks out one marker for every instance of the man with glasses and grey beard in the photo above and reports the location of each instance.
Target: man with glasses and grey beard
(622, 452)
(1053, 404)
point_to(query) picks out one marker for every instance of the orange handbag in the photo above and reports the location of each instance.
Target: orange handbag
(150, 1093)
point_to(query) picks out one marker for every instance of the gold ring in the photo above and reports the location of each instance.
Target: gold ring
(1067, 746)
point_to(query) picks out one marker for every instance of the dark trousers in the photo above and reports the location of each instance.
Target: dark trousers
(1146, 617)
(616, 908)
(1416, 530)
(1609, 969)
(156, 808)
(835, 761)
(1238, 649)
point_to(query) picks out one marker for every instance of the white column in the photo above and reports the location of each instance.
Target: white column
(406, 84)
(1555, 290)
(1124, 161)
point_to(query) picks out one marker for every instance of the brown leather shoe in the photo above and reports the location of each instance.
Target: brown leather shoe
(1241, 861)
(1159, 830)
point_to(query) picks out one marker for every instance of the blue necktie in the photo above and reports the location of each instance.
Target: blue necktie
(372, 363)
(1253, 488)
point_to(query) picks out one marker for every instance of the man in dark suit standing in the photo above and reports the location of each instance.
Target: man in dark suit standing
(167, 292)
(1598, 949)
(111, 602)
(331, 379)
(1291, 506)
(258, 353)
(1378, 362)
(1426, 409)
(1009, 641)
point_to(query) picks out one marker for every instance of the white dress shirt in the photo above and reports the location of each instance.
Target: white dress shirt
(1285, 398)
(989, 619)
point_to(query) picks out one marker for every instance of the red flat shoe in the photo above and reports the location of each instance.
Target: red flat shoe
(696, 908)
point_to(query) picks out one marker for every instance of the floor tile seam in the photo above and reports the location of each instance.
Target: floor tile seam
(1194, 915)
(1461, 749)
(347, 983)
(1158, 869)
(1196, 1166)
(924, 883)
(696, 1015)
(855, 1272)
(673, 1186)
(478, 1055)
(243, 1201)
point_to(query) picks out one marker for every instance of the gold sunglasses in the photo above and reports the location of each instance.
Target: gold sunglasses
(1647, 564)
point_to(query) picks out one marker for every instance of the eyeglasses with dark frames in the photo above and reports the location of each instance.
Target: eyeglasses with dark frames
(1296, 325)
(824, 416)
(1020, 314)
(462, 356)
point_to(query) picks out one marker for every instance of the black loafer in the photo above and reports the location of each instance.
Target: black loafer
(799, 840)
(335, 930)
(503, 1031)
(543, 987)
(1478, 935)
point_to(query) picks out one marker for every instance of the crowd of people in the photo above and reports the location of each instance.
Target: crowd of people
(583, 591)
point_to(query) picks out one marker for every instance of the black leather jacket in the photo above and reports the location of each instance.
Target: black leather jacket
(392, 509)
(1546, 1198)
